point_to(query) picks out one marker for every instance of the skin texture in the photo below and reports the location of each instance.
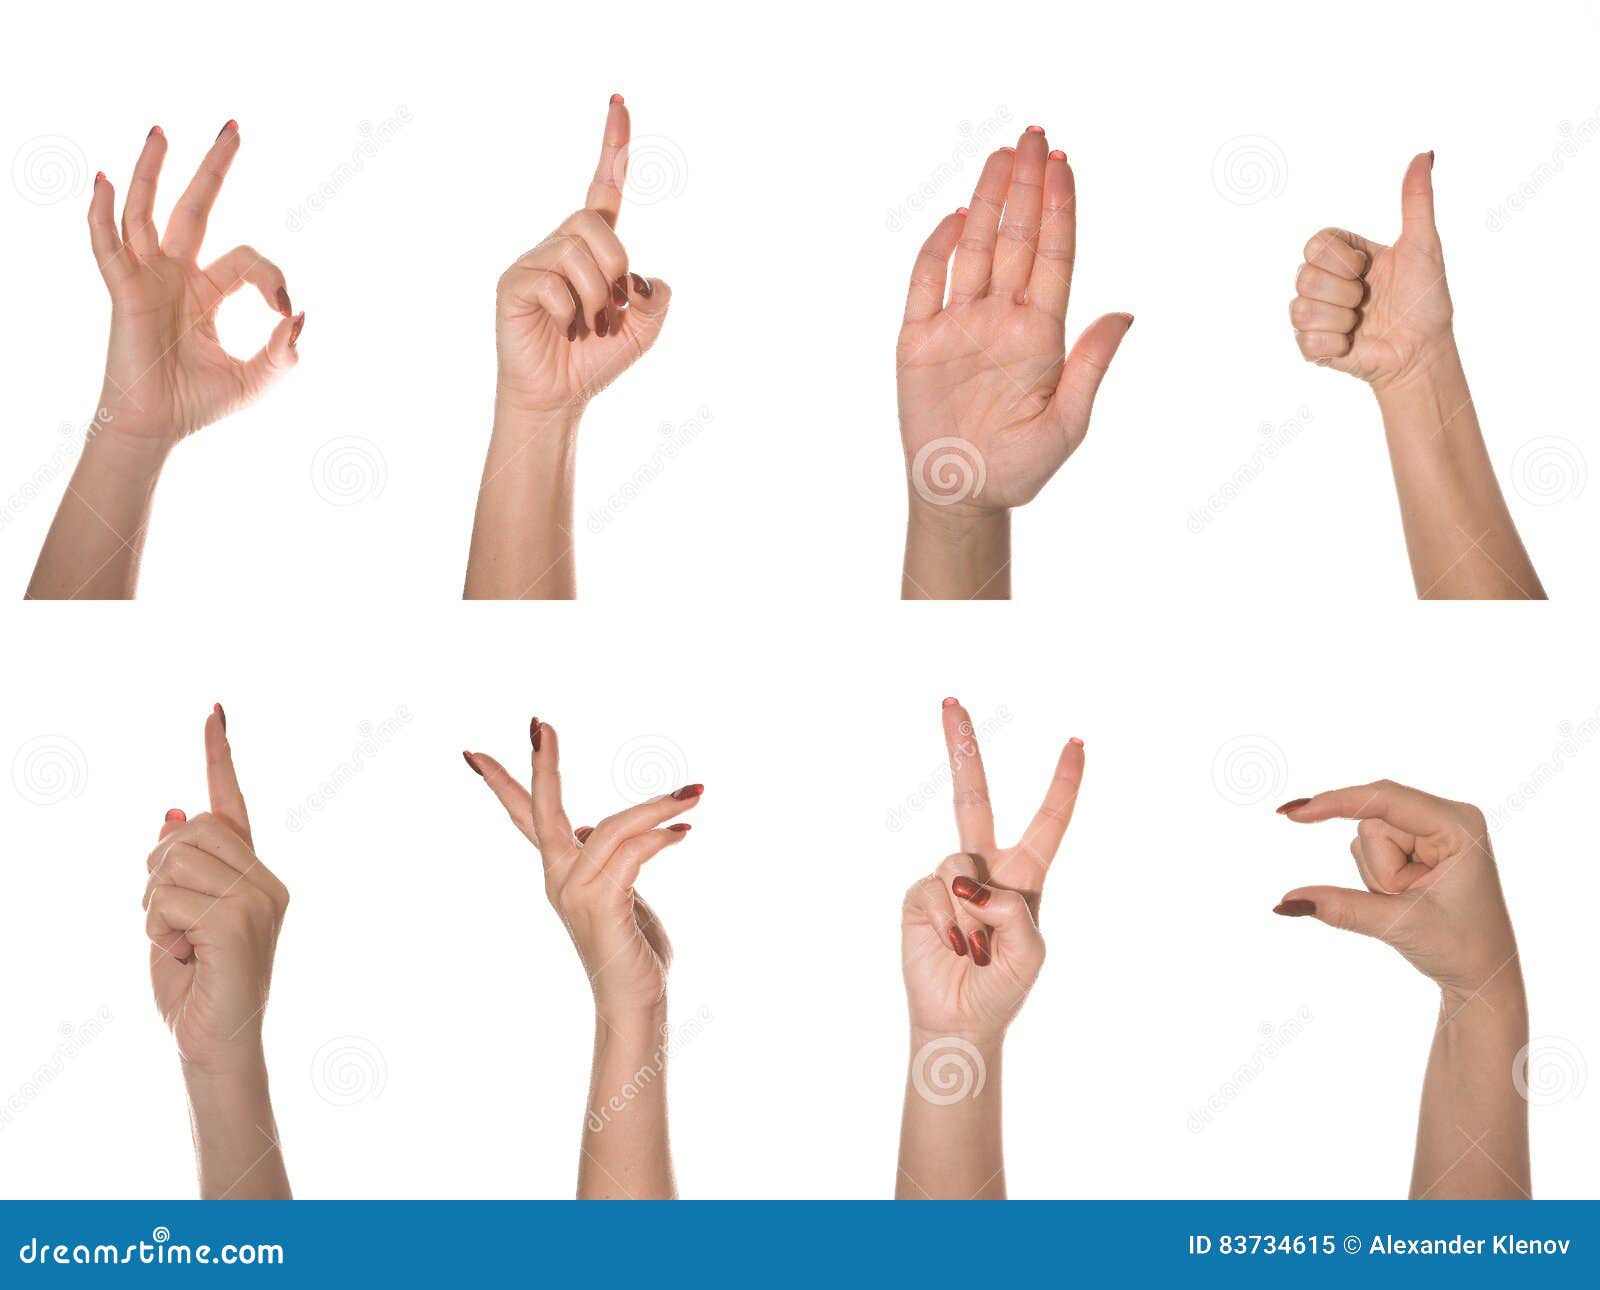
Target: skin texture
(971, 950)
(991, 402)
(1433, 893)
(589, 877)
(213, 912)
(570, 317)
(1383, 314)
(166, 374)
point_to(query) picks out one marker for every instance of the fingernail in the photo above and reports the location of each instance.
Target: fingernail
(679, 828)
(1076, 740)
(1430, 159)
(1035, 129)
(688, 791)
(961, 210)
(948, 703)
(1293, 806)
(617, 99)
(1008, 149)
(971, 892)
(283, 302)
(99, 176)
(601, 325)
(643, 287)
(956, 942)
(619, 292)
(572, 330)
(230, 124)
(980, 948)
(470, 762)
(1295, 908)
(533, 733)
(294, 332)
(156, 129)
(583, 834)
(1057, 155)
(1129, 317)
(221, 716)
(175, 816)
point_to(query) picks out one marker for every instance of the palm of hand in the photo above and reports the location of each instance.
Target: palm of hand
(624, 949)
(983, 373)
(1457, 933)
(206, 1004)
(948, 993)
(1407, 309)
(546, 372)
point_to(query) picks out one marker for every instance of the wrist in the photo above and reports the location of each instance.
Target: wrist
(1501, 1000)
(516, 414)
(957, 525)
(122, 456)
(933, 1040)
(1435, 369)
(630, 1022)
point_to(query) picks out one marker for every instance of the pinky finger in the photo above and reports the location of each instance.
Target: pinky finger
(931, 274)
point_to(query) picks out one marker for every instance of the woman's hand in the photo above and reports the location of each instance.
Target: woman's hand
(571, 315)
(166, 373)
(213, 912)
(970, 943)
(1381, 313)
(1432, 891)
(589, 875)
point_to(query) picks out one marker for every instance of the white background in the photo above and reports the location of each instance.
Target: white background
(738, 627)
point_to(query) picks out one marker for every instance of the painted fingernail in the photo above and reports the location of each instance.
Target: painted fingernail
(980, 948)
(601, 324)
(619, 292)
(572, 330)
(957, 942)
(583, 834)
(1057, 155)
(1293, 806)
(534, 728)
(155, 130)
(470, 762)
(221, 716)
(617, 99)
(1035, 129)
(642, 286)
(99, 176)
(175, 816)
(1008, 149)
(961, 210)
(299, 326)
(949, 703)
(970, 891)
(1295, 908)
(689, 790)
(1430, 158)
(283, 302)
(230, 124)
(679, 828)
(1076, 740)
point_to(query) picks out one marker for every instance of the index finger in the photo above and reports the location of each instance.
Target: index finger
(605, 189)
(974, 814)
(551, 827)
(1406, 808)
(227, 799)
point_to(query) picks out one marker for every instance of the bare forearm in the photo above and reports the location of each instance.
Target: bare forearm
(627, 1154)
(951, 1144)
(956, 557)
(522, 533)
(236, 1148)
(1472, 1133)
(96, 540)
(1459, 532)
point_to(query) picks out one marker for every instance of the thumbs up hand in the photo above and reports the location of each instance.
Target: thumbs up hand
(1378, 312)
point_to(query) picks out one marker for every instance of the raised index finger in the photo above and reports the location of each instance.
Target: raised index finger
(227, 798)
(605, 189)
(974, 814)
(1406, 808)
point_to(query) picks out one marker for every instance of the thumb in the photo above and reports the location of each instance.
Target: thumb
(1416, 201)
(276, 357)
(1367, 912)
(1082, 373)
(648, 301)
(1005, 912)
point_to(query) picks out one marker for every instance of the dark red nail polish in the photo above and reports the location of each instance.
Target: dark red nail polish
(619, 292)
(602, 325)
(971, 892)
(221, 716)
(283, 302)
(175, 816)
(471, 763)
(1295, 908)
(582, 834)
(617, 99)
(572, 330)
(533, 733)
(956, 941)
(679, 828)
(688, 791)
(294, 332)
(1293, 806)
(980, 948)
(229, 124)
(642, 286)
(1057, 155)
